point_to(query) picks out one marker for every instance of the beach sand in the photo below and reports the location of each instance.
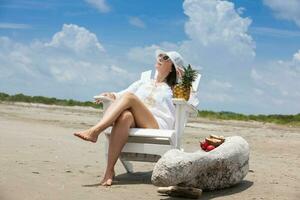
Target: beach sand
(41, 159)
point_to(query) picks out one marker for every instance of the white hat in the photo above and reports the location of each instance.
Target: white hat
(176, 59)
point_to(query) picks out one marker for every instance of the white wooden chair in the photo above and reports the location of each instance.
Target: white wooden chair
(149, 145)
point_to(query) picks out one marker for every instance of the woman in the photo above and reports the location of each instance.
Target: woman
(144, 104)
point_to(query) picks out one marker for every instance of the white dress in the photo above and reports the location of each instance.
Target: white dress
(158, 100)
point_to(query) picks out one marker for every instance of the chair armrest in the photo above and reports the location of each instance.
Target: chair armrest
(102, 98)
(183, 110)
(106, 101)
(190, 108)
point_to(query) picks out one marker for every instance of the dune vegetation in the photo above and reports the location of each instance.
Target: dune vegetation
(291, 120)
(46, 100)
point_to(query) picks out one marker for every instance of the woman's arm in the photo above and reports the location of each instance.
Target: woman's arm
(115, 95)
(105, 96)
(132, 88)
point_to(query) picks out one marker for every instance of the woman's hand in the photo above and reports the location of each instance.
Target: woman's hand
(106, 94)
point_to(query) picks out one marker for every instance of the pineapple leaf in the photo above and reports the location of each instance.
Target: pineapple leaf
(189, 76)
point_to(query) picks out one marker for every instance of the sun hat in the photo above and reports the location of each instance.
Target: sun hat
(176, 59)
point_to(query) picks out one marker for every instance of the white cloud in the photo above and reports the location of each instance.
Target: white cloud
(220, 85)
(255, 75)
(215, 21)
(258, 91)
(217, 36)
(218, 43)
(217, 97)
(289, 10)
(215, 27)
(296, 56)
(143, 55)
(278, 83)
(101, 5)
(119, 71)
(60, 67)
(75, 38)
(135, 21)
(241, 10)
(267, 31)
(14, 26)
(217, 91)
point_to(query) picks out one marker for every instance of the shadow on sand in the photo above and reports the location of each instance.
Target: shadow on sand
(145, 178)
(128, 178)
(242, 186)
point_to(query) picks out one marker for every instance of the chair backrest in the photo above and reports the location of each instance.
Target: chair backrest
(195, 84)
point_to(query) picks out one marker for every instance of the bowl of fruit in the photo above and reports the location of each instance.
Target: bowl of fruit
(211, 142)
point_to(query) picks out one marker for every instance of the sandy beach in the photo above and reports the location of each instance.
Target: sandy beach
(41, 159)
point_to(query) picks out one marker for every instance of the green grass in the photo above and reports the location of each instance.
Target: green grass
(291, 120)
(46, 100)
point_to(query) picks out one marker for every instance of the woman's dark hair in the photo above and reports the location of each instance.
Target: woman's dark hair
(171, 79)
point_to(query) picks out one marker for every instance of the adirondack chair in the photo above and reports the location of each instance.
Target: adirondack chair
(148, 145)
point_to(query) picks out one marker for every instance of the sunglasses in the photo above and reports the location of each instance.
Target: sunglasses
(163, 57)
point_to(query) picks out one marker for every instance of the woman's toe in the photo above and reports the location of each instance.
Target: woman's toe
(107, 182)
(82, 137)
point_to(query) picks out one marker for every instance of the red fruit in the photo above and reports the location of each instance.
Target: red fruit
(203, 145)
(210, 147)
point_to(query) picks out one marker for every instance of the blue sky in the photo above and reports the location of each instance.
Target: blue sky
(247, 51)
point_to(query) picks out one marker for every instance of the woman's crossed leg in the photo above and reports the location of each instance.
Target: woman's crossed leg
(123, 114)
(128, 101)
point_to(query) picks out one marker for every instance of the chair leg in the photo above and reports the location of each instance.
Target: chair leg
(127, 165)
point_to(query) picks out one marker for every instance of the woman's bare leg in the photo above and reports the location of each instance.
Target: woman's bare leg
(86, 134)
(117, 140)
(142, 116)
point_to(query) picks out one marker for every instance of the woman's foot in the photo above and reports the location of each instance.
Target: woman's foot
(88, 135)
(108, 179)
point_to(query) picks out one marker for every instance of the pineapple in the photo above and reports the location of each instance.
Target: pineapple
(183, 89)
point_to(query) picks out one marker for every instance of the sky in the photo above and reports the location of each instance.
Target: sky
(247, 51)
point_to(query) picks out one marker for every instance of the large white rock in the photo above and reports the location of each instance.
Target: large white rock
(222, 167)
